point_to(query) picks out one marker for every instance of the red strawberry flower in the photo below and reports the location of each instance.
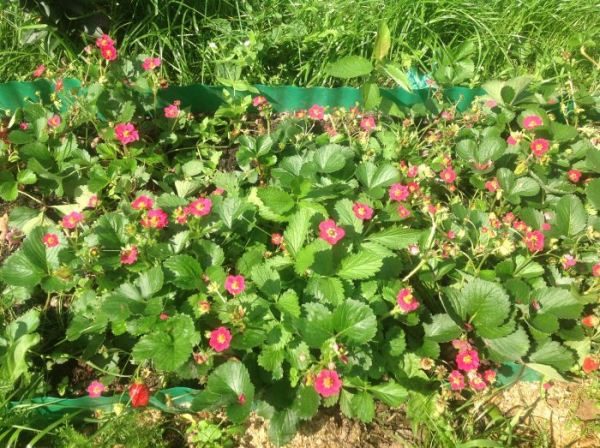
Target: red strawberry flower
(54, 121)
(539, 147)
(151, 63)
(477, 383)
(71, 220)
(368, 123)
(109, 53)
(534, 241)
(172, 110)
(467, 360)
(126, 133)
(199, 207)
(328, 383)
(448, 175)
(105, 41)
(129, 255)
(362, 211)
(50, 240)
(235, 284)
(532, 121)
(220, 339)
(155, 219)
(406, 301)
(456, 380)
(95, 389)
(330, 232)
(574, 175)
(398, 192)
(316, 112)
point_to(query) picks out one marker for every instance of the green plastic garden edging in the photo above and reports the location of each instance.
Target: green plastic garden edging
(207, 99)
(179, 399)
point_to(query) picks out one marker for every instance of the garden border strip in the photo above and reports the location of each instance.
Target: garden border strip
(207, 99)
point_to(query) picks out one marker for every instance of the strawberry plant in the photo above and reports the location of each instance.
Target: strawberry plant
(286, 263)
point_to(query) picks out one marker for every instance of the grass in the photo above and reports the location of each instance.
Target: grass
(291, 41)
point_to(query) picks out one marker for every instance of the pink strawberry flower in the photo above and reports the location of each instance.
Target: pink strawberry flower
(362, 211)
(71, 220)
(330, 232)
(172, 110)
(180, 215)
(398, 192)
(142, 202)
(574, 175)
(316, 112)
(126, 133)
(413, 187)
(534, 240)
(406, 301)
(54, 121)
(151, 63)
(532, 121)
(456, 380)
(259, 101)
(328, 383)
(568, 261)
(235, 284)
(413, 171)
(461, 345)
(489, 376)
(220, 339)
(403, 212)
(467, 360)
(491, 103)
(24, 125)
(448, 175)
(109, 53)
(50, 240)
(155, 219)
(447, 115)
(92, 201)
(129, 255)
(59, 85)
(199, 207)
(492, 185)
(512, 141)
(105, 41)
(277, 239)
(596, 270)
(368, 123)
(95, 389)
(39, 71)
(539, 147)
(477, 383)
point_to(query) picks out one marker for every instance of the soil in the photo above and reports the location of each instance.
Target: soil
(563, 416)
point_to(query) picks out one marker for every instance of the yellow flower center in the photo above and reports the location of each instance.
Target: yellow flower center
(332, 233)
(221, 339)
(235, 285)
(328, 383)
(408, 299)
(361, 211)
(467, 359)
